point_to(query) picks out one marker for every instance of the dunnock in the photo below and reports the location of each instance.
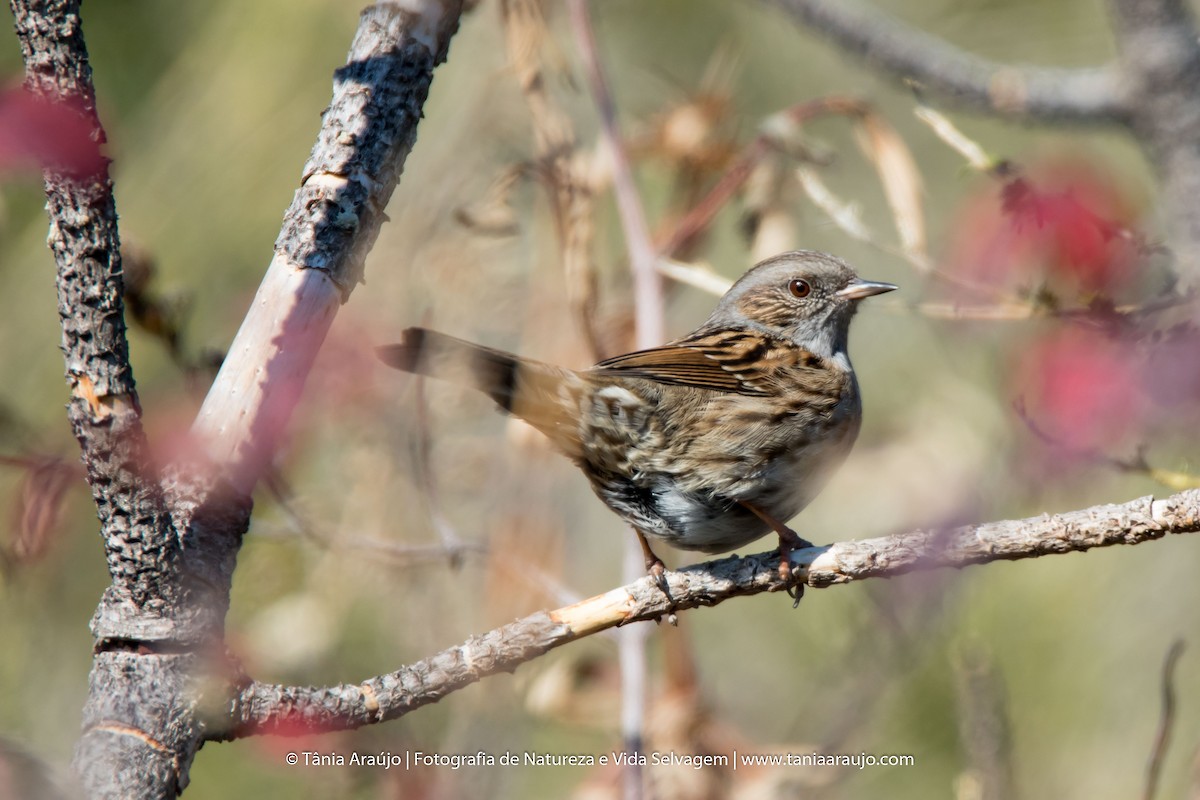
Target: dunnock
(710, 441)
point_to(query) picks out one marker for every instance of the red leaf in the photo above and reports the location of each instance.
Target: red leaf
(1062, 223)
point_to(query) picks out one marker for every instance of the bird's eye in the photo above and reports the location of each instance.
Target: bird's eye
(799, 288)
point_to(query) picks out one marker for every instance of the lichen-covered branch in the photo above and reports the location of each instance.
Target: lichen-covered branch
(103, 408)
(270, 708)
(962, 78)
(172, 540)
(366, 135)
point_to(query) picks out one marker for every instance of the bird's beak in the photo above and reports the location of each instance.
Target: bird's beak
(860, 289)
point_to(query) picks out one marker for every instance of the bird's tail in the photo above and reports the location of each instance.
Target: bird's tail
(542, 394)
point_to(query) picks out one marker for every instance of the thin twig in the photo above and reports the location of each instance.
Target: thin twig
(648, 302)
(452, 543)
(559, 167)
(1091, 316)
(698, 276)
(975, 156)
(776, 132)
(1137, 465)
(648, 332)
(1166, 721)
(983, 725)
(406, 555)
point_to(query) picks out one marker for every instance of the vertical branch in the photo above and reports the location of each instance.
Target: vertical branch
(172, 550)
(648, 332)
(983, 727)
(559, 165)
(116, 755)
(647, 284)
(103, 410)
(1159, 58)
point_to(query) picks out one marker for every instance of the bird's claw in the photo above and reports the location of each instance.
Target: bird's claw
(657, 570)
(794, 586)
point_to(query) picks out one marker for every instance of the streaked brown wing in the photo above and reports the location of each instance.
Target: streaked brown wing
(724, 361)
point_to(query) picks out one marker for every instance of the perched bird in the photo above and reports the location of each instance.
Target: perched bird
(710, 441)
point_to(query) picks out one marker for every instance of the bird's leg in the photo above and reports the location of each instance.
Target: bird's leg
(789, 541)
(654, 565)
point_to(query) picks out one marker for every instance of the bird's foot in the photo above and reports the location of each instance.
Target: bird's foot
(789, 541)
(657, 570)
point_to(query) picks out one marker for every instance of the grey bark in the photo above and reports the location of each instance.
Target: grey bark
(160, 685)
(158, 681)
(1152, 89)
(1159, 58)
(299, 709)
(961, 78)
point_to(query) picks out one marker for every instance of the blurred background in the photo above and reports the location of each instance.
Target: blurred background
(404, 518)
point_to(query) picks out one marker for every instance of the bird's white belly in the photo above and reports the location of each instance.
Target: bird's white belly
(781, 489)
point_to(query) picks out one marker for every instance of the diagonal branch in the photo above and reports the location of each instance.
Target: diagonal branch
(270, 708)
(331, 225)
(172, 550)
(1095, 95)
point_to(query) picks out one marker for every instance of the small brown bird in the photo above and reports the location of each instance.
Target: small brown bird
(712, 440)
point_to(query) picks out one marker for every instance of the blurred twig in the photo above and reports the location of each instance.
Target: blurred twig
(648, 332)
(37, 505)
(1096, 314)
(983, 726)
(452, 543)
(901, 51)
(1136, 464)
(163, 317)
(777, 133)
(642, 254)
(406, 555)
(452, 549)
(1016, 188)
(559, 166)
(1163, 737)
(698, 276)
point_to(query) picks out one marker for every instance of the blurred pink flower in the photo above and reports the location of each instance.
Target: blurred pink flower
(37, 134)
(1082, 389)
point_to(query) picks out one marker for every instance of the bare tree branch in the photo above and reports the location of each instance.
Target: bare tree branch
(163, 616)
(103, 411)
(332, 224)
(1159, 58)
(984, 728)
(959, 77)
(143, 554)
(264, 708)
(648, 331)
(1153, 88)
